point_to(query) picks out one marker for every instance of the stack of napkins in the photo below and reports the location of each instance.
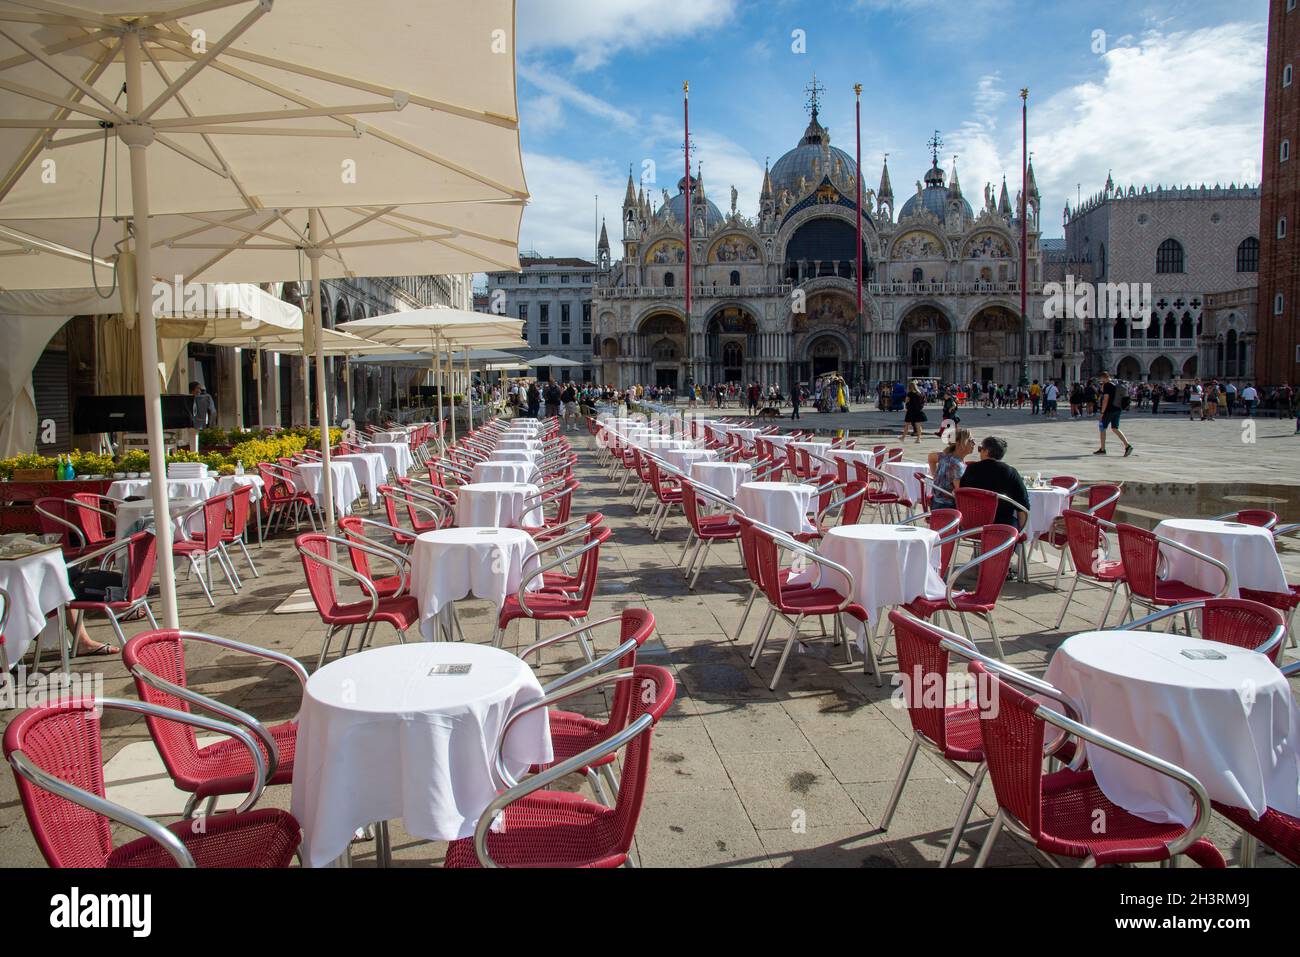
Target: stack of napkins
(187, 470)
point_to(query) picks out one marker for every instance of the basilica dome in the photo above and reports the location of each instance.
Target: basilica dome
(934, 198)
(810, 160)
(677, 205)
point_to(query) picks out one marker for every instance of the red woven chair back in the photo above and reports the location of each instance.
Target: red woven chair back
(1013, 738)
(638, 625)
(940, 519)
(1064, 481)
(923, 669)
(1245, 624)
(1260, 517)
(977, 506)
(853, 508)
(1086, 538)
(1098, 494)
(163, 653)
(993, 573)
(652, 692)
(1140, 551)
(749, 549)
(63, 739)
(894, 455)
(922, 479)
(320, 583)
(88, 519)
(354, 531)
(691, 506)
(141, 560)
(658, 481)
(237, 519)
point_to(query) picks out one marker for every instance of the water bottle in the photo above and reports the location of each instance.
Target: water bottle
(239, 467)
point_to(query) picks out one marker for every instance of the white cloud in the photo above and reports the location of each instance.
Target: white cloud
(559, 219)
(560, 91)
(593, 31)
(1171, 108)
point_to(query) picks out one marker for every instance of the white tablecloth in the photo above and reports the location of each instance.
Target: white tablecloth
(228, 483)
(454, 563)
(1233, 723)
(371, 469)
(782, 505)
(533, 444)
(907, 472)
(849, 456)
(401, 436)
(37, 585)
(683, 459)
(815, 448)
(1046, 505)
(1246, 549)
(307, 478)
(517, 455)
(397, 455)
(135, 516)
(780, 439)
(514, 472)
(123, 489)
(496, 505)
(380, 738)
(891, 564)
(725, 477)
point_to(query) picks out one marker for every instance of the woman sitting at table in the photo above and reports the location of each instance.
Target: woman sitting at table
(947, 467)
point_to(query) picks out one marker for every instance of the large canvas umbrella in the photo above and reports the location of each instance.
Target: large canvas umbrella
(326, 103)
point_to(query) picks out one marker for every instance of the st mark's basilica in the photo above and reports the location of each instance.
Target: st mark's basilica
(941, 294)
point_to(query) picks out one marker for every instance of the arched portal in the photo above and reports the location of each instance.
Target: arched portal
(1129, 369)
(827, 354)
(1162, 369)
(729, 343)
(995, 345)
(663, 346)
(824, 247)
(925, 344)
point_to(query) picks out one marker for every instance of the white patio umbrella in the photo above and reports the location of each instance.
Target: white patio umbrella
(436, 328)
(558, 362)
(247, 118)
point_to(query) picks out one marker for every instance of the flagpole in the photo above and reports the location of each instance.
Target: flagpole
(863, 342)
(1024, 237)
(686, 115)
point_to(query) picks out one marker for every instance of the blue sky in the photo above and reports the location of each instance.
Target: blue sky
(1167, 91)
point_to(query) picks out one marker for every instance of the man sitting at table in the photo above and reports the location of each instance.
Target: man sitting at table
(994, 475)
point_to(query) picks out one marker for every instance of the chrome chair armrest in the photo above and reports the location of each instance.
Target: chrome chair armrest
(924, 517)
(587, 670)
(555, 639)
(1228, 583)
(1094, 737)
(101, 553)
(59, 520)
(366, 584)
(1292, 669)
(850, 582)
(537, 572)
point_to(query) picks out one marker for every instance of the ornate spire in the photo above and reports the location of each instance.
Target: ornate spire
(886, 190)
(604, 237)
(699, 182)
(629, 199)
(767, 183)
(954, 187)
(1033, 184)
(1004, 200)
(815, 134)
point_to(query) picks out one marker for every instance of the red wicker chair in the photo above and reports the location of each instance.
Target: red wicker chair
(1140, 551)
(573, 733)
(1231, 621)
(156, 660)
(1057, 812)
(1086, 541)
(56, 756)
(527, 826)
(141, 561)
(570, 602)
(996, 543)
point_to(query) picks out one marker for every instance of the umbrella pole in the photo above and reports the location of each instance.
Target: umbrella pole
(322, 409)
(257, 385)
(137, 138)
(347, 375)
(451, 375)
(469, 391)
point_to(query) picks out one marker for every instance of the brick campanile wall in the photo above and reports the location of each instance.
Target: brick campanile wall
(1279, 259)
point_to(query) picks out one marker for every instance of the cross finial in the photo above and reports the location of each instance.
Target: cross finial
(814, 91)
(935, 145)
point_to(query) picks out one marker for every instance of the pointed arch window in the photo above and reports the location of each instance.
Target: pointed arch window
(1169, 257)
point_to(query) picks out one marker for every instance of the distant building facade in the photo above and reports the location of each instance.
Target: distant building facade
(553, 297)
(1279, 277)
(774, 296)
(1198, 249)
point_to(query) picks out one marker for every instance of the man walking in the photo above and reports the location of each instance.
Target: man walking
(1249, 398)
(204, 410)
(1112, 405)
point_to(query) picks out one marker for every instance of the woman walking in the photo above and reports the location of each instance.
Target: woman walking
(914, 415)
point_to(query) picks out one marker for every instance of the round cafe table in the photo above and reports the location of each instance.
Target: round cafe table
(200, 488)
(533, 444)
(346, 488)
(409, 731)
(1249, 551)
(683, 459)
(891, 565)
(496, 505)
(454, 563)
(37, 585)
(844, 459)
(1046, 505)
(531, 456)
(782, 505)
(137, 515)
(1223, 713)
(371, 469)
(906, 473)
(513, 472)
(397, 455)
(724, 477)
